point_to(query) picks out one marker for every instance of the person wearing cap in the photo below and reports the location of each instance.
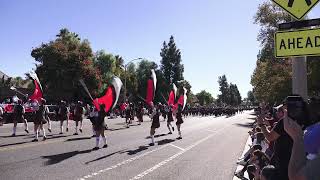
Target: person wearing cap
(63, 113)
(40, 119)
(299, 168)
(18, 116)
(282, 143)
(78, 116)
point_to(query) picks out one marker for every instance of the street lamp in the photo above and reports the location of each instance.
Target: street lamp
(125, 76)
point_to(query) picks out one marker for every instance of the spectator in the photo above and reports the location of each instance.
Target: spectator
(299, 168)
(260, 159)
(282, 144)
(268, 173)
(253, 172)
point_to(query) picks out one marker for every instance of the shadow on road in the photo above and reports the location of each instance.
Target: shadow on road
(56, 137)
(246, 125)
(165, 141)
(134, 125)
(158, 135)
(135, 151)
(57, 158)
(20, 135)
(13, 144)
(103, 157)
(78, 139)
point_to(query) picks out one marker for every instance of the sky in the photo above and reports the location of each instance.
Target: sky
(215, 37)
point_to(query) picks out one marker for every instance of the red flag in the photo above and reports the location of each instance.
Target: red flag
(182, 100)
(111, 96)
(37, 93)
(151, 87)
(172, 95)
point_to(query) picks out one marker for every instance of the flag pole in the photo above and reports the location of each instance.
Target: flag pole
(85, 88)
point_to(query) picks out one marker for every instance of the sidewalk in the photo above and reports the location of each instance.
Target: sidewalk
(239, 167)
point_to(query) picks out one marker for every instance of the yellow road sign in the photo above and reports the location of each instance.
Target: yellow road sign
(297, 8)
(303, 42)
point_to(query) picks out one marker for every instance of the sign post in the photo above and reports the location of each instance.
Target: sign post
(299, 76)
(297, 44)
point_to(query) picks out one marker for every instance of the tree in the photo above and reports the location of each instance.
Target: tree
(268, 16)
(119, 71)
(251, 98)
(230, 94)
(20, 82)
(143, 73)
(62, 63)
(271, 81)
(234, 95)
(271, 78)
(192, 99)
(224, 90)
(313, 64)
(204, 98)
(106, 65)
(171, 66)
(132, 80)
(185, 84)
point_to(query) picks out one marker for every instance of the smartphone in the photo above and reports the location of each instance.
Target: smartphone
(297, 109)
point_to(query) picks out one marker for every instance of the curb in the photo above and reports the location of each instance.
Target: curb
(239, 167)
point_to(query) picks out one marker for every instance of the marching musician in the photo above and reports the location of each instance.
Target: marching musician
(155, 121)
(179, 120)
(63, 114)
(18, 116)
(40, 119)
(78, 116)
(170, 118)
(99, 127)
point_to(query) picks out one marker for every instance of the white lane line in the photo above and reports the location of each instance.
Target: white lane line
(177, 147)
(174, 156)
(120, 164)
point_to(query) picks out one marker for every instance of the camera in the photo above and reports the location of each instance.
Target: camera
(297, 109)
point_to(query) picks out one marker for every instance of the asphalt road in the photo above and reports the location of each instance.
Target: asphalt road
(208, 150)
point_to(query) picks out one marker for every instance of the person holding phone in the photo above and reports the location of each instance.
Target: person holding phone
(299, 168)
(282, 143)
